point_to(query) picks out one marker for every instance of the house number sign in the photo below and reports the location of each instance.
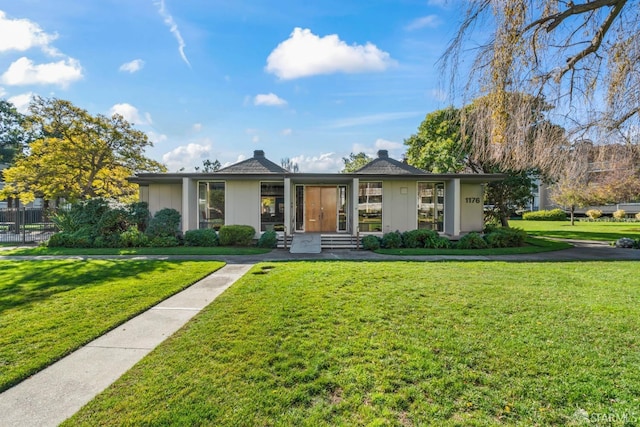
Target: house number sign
(472, 199)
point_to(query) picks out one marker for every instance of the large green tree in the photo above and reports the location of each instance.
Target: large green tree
(583, 56)
(355, 162)
(13, 135)
(439, 147)
(77, 155)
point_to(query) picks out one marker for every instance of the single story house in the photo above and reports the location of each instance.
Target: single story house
(385, 195)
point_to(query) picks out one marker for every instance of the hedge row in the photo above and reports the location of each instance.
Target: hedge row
(497, 238)
(551, 215)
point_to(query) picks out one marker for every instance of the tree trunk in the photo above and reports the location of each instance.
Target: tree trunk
(573, 209)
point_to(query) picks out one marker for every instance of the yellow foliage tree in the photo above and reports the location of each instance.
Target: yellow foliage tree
(77, 156)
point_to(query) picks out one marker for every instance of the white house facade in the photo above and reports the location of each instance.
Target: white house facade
(385, 195)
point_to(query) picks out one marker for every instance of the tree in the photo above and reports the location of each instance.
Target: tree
(572, 194)
(582, 57)
(289, 165)
(13, 136)
(438, 146)
(208, 166)
(77, 155)
(355, 162)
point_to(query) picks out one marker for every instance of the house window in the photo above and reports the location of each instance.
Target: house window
(272, 206)
(370, 206)
(211, 204)
(299, 220)
(431, 206)
(342, 208)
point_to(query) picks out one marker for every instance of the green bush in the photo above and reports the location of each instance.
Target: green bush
(165, 223)
(392, 240)
(552, 215)
(269, 239)
(113, 222)
(506, 238)
(108, 241)
(164, 242)
(620, 214)
(78, 239)
(133, 238)
(439, 243)
(140, 215)
(594, 213)
(421, 238)
(236, 235)
(472, 241)
(370, 242)
(203, 237)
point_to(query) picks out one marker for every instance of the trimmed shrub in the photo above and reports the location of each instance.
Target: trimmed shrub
(163, 242)
(78, 239)
(269, 239)
(165, 223)
(594, 213)
(620, 214)
(552, 215)
(392, 240)
(418, 238)
(370, 242)
(506, 238)
(113, 222)
(439, 243)
(140, 215)
(472, 241)
(236, 235)
(133, 238)
(202, 237)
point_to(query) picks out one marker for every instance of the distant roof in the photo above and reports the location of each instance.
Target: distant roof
(384, 165)
(258, 164)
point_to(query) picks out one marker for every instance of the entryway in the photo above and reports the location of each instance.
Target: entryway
(320, 204)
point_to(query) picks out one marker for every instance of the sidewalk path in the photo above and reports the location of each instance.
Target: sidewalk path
(59, 391)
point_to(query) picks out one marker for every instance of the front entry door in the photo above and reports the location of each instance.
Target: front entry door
(320, 209)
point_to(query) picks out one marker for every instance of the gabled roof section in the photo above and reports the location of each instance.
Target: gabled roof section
(384, 165)
(256, 165)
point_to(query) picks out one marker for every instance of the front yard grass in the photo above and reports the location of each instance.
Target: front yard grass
(396, 343)
(582, 230)
(50, 308)
(178, 250)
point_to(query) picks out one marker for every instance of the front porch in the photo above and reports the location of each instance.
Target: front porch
(327, 240)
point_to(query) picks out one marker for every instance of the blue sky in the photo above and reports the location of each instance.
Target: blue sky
(312, 81)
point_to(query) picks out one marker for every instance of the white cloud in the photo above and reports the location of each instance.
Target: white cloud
(286, 132)
(133, 66)
(429, 21)
(21, 102)
(131, 114)
(156, 138)
(325, 162)
(173, 27)
(305, 54)
(269, 99)
(395, 149)
(187, 156)
(2, 92)
(25, 72)
(22, 35)
(197, 127)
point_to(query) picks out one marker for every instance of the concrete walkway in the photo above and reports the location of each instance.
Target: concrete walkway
(59, 391)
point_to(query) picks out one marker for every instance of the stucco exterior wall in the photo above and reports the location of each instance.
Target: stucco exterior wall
(471, 208)
(399, 206)
(242, 203)
(165, 196)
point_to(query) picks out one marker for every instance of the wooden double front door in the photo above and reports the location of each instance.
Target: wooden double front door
(320, 205)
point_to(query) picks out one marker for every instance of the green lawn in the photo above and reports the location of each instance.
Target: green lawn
(50, 308)
(395, 343)
(179, 250)
(582, 230)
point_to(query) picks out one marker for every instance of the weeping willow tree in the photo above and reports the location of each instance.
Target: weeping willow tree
(581, 58)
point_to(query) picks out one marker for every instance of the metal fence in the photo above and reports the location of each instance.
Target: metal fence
(25, 225)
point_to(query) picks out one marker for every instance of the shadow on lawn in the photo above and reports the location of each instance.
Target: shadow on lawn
(33, 281)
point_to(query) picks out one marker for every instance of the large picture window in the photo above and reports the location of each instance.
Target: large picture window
(272, 206)
(211, 204)
(431, 206)
(370, 206)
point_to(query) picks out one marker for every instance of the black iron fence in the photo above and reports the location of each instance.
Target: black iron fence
(25, 225)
